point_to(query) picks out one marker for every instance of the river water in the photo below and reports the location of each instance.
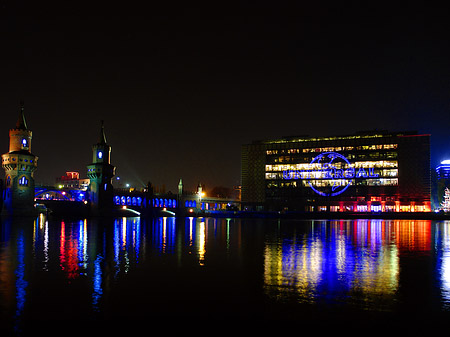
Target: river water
(197, 272)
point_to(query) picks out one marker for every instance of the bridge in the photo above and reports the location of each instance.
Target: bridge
(169, 203)
(54, 193)
(71, 200)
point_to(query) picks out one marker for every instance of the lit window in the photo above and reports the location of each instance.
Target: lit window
(24, 142)
(100, 154)
(23, 181)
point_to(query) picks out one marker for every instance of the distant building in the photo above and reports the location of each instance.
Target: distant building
(364, 172)
(442, 180)
(72, 180)
(19, 165)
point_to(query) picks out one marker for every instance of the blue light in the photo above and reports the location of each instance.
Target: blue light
(21, 283)
(23, 181)
(328, 170)
(329, 174)
(97, 286)
(24, 142)
(117, 200)
(100, 154)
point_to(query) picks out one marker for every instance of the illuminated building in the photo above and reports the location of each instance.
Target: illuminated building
(72, 180)
(19, 165)
(364, 172)
(100, 173)
(443, 179)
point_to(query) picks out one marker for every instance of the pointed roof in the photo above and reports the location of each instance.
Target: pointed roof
(21, 123)
(102, 137)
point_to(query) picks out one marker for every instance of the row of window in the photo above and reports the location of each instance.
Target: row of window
(127, 201)
(14, 159)
(350, 156)
(331, 183)
(23, 181)
(156, 202)
(339, 165)
(334, 149)
(303, 174)
(169, 203)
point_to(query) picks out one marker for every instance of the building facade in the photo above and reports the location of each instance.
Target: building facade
(365, 172)
(19, 165)
(72, 180)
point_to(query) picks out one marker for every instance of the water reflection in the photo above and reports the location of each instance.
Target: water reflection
(54, 266)
(442, 246)
(333, 261)
(73, 256)
(127, 243)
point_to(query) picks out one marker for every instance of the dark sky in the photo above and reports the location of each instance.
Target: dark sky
(180, 92)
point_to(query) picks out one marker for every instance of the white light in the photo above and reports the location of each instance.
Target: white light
(445, 162)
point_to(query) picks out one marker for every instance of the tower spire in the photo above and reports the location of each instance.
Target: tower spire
(102, 138)
(21, 123)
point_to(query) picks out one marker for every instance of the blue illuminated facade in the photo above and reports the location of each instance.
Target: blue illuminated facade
(443, 180)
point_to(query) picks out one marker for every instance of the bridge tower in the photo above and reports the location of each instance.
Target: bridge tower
(19, 165)
(100, 172)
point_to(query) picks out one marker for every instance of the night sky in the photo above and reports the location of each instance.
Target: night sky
(180, 92)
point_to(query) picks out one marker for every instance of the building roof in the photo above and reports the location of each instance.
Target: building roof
(356, 135)
(21, 122)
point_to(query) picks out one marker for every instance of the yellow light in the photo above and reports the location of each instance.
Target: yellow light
(124, 207)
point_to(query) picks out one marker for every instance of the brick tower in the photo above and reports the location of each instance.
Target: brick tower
(19, 165)
(100, 173)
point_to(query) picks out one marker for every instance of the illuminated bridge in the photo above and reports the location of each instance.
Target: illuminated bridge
(67, 200)
(54, 193)
(160, 204)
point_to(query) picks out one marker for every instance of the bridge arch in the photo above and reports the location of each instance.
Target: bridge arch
(65, 194)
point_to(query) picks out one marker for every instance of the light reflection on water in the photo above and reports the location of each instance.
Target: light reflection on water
(333, 260)
(363, 264)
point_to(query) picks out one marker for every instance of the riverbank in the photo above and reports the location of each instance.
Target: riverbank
(331, 215)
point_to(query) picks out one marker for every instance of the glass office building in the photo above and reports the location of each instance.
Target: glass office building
(364, 172)
(443, 180)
